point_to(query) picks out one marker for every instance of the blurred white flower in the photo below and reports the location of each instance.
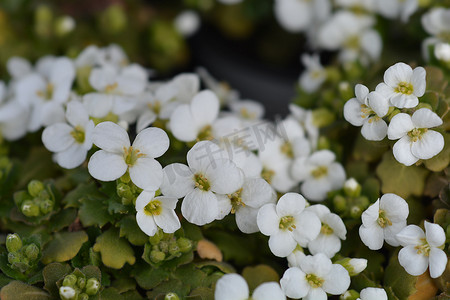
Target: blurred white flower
(234, 287)
(371, 293)
(402, 9)
(422, 250)
(314, 74)
(187, 23)
(416, 140)
(383, 220)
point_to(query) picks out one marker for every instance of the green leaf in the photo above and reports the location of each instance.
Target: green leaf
(39, 165)
(171, 286)
(115, 251)
(17, 290)
(84, 190)
(92, 272)
(63, 219)
(124, 284)
(4, 280)
(190, 276)
(111, 294)
(7, 270)
(132, 295)
(399, 179)
(52, 273)
(64, 246)
(258, 275)
(222, 266)
(201, 293)
(395, 277)
(368, 150)
(440, 161)
(130, 230)
(148, 277)
(94, 212)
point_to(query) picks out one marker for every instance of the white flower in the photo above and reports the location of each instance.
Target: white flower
(72, 141)
(288, 224)
(207, 174)
(416, 141)
(296, 257)
(222, 89)
(422, 250)
(402, 85)
(442, 52)
(331, 233)
(248, 111)
(117, 156)
(314, 74)
(402, 9)
(154, 212)
(193, 121)
(18, 67)
(315, 277)
(320, 174)
(306, 120)
(383, 220)
(436, 22)
(13, 120)
(67, 292)
(367, 110)
(371, 293)
(234, 287)
(245, 203)
(187, 23)
(187, 86)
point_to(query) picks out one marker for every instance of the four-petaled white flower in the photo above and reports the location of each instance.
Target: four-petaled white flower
(314, 278)
(422, 250)
(234, 287)
(371, 293)
(367, 110)
(72, 141)
(288, 224)
(331, 233)
(118, 156)
(314, 74)
(416, 140)
(402, 85)
(156, 212)
(383, 220)
(207, 174)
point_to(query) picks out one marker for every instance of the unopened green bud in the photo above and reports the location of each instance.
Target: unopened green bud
(184, 244)
(70, 280)
(154, 240)
(124, 190)
(43, 18)
(355, 212)
(333, 74)
(323, 143)
(46, 206)
(81, 282)
(32, 252)
(352, 188)
(113, 19)
(67, 293)
(322, 117)
(92, 286)
(30, 209)
(173, 248)
(83, 296)
(157, 256)
(340, 203)
(171, 296)
(363, 202)
(13, 242)
(164, 246)
(392, 112)
(349, 295)
(20, 197)
(35, 187)
(64, 25)
(44, 195)
(354, 266)
(125, 178)
(345, 90)
(14, 257)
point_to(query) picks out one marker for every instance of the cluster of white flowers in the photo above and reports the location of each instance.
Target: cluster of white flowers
(436, 22)
(394, 99)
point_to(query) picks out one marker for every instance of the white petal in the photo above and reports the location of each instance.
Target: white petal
(322, 157)
(307, 227)
(293, 283)
(57, 137)
(182, 124)
(110, 137)
(224, 206)
(402, 152)
(336, 176)
(400, 72)
(390, 232)
(399, 126)
(202, 155)
(282, 243)
(290, 204)
(204, 108)
(167, 220)
(145, 120)
(256, 192)
(144, 198)
(146, 173)
(336, 223)
(337, 281)
(371, 293)
(72, 157)
(326, 244)
(146, 223)
(361, 92)
(315, 190)
(246, 219)
(268, 291)
(76, 114)
(410, 235)
(425, 118)
(316, 294)
(106, 166)
(438, 262)
(267, 219)
(200, 207)
(372, 236)
(318, 264)
(431, 143)
(385, 90)
(418, 81)
(224, 176)
(319, 209)
(168, 202)
(98, 105)
(177, 181)
(395, 207)
(435, 234)
(231, 287)
(404, 101)
(414, 263)
(378, 103)
(370, 215)
(153, 142)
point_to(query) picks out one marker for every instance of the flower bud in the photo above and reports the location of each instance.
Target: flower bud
(81, 282)
(171, 296)
(157, 256)
(349, 295)
(92, 286)
(14, 257)
(442, 52)
(125, 177)
(83, 296)
(355, 212)
(70, 280)
(184, 244)
(30, 209)
(64, 25)
(352, 188)
(44, 195)
(124, 190)
(113, 20)
(46, 206)
(43, 19)
(13, 242)
(154, 240)
(354, 266)
(32, 252)
(164, 246)
(67, 293)
(340, 203)
(322, 117)
(35, 187)
(345, 90)
(173, 248)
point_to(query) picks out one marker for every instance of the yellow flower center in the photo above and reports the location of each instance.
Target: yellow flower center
(131, 155)
(326, 229)
(236, 200)
(47, 93)
(111, 87)
(155, 107)
(287, 222)
(352, 42)
(246, 114)
(205, 134)
(404, 88)
(320, 172)
(424, 248)
(201, 182)
(383, 220)
(267, 175)
(314, 281)
(153, 208)
(417, 134)
(286, 148)
(78, 134)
